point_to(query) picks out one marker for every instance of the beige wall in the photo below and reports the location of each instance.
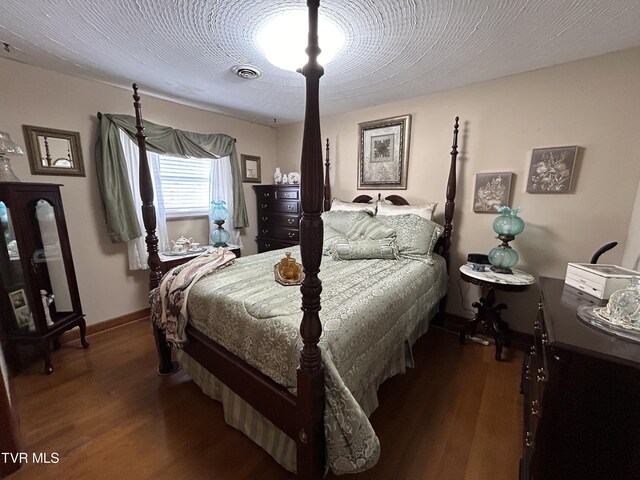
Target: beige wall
(631, 258)
(34, 96)
(591, 103)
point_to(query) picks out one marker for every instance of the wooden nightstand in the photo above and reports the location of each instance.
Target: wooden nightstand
(489, 313)
(167, 262)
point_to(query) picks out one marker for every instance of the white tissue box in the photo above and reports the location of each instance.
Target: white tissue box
(598, 280)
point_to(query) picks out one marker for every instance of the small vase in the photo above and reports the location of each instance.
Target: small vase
(285, 179)
(277, 176)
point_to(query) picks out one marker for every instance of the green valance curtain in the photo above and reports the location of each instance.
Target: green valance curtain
(117, 202)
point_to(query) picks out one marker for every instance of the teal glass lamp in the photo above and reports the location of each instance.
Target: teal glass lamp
(218, 213)
(507, 225)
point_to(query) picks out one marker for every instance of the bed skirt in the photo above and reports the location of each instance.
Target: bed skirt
(240, 415)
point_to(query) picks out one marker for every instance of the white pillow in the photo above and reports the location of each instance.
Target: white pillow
(337, 204)
(424, 211)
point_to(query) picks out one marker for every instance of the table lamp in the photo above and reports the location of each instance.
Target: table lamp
(507, 225)
(8, 147)
(218, 213)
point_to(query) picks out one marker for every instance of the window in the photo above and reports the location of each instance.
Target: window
(185, 185)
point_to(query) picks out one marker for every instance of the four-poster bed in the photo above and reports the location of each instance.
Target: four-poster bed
(298, 411)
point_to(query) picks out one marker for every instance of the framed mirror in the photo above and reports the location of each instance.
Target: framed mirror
(53, 152)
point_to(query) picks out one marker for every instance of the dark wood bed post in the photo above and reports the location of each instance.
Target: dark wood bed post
(450, 205)
(327, 182)
(310, 395)
(166, 366)
(449, 208)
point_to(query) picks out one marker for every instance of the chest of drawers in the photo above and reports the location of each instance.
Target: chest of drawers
(581, 389)
(279, 211)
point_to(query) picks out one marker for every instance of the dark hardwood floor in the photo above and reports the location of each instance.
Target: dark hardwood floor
(107, 415)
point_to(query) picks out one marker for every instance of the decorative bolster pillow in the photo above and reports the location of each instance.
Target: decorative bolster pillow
(331, 237)
(385, 248)
(369, 227)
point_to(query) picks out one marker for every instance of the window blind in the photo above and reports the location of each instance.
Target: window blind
(185, 185)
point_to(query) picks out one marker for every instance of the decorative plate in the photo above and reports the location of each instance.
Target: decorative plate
(294, 178)
(592, 316)
(283, 281)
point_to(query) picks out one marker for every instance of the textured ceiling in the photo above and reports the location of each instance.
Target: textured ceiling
(395, 49)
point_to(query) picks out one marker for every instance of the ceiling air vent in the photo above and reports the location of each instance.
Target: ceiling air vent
(248, 72)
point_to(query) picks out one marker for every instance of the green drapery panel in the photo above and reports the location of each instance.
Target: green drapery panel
(119, 207)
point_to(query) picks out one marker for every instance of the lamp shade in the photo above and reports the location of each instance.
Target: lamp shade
(8, 146)
(508, 223)
(218, 211)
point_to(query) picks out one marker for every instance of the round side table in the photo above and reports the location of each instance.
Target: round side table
(488, 313)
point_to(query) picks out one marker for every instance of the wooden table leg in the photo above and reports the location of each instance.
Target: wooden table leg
(489, 315)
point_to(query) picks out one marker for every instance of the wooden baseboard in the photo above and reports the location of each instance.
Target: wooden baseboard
(453, 323)
(74, 334)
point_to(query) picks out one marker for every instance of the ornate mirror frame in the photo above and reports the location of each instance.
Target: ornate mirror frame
(37, 157)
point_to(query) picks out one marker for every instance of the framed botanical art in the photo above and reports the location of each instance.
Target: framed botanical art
(250, 168)
(383, 155)
(551, 170)
(492, 190)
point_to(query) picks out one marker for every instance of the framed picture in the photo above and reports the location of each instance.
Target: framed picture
(551, 170)
(383, 156)
(53, 152)
(492, 190)
(250, 168)
(18, 298)
(24, 318)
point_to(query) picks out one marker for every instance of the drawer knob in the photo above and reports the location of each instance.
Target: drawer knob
(264, 205)
(290, 207)
(264, 219)
(290, 221)
(265, 230)
(542, 375)
(534, 408)
(291, 234)
(266, 195)
(527, 439)
(267, 245)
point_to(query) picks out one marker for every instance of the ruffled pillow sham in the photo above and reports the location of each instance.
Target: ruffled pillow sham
(339, 205)
(416, 236)
(425, 211)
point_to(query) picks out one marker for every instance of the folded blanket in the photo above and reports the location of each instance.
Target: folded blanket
(169, 300)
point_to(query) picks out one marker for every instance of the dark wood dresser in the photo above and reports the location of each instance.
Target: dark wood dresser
(278, 216)
(581, 392)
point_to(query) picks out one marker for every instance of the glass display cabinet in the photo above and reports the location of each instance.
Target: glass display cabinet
(39, 297)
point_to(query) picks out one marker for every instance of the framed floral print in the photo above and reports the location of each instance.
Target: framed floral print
(492, 190)
(551, 170)
(383, 155)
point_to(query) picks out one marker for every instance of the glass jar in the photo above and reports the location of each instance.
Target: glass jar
(624, 305)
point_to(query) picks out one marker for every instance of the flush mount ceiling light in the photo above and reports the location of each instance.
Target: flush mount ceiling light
(248, 72)
(283, 39)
